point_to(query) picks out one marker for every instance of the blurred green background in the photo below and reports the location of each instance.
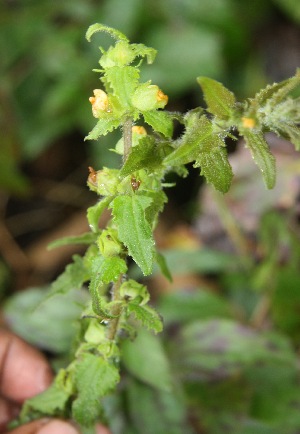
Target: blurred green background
(232, 317)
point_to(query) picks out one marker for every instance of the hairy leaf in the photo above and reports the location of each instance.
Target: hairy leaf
(94, 212)
(220, 101)
(163, 265)
(141, 50)
(145, 155)
(197, 132)
(277, 91)
(94, 378)
(147, 316)
(105, 124)
(134, 230)
(51, 402)
(215, 166)
(292, 132)
(262, 156)
(102, 28)
(160, 121)
(111, 268)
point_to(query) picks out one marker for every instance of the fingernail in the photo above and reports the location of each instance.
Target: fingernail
(57, 427)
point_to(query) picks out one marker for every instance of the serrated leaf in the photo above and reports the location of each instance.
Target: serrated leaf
(86, 238)
(116, 34)
(197, 132)
(220, 101)
(111, 268)
(94, 378)
(51, 402)
(147, 316)
(160, 121)
(74, 276)
(146, 359)
(145, 155)
(94, 212)
(122, 81)
(215, 166)
(134, 230)
(105, 125)
(261, 155)
(159, 198)
(277, 91)
(141, 50)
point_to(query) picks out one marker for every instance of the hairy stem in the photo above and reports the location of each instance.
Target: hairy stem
(127, 137)
(113, 324)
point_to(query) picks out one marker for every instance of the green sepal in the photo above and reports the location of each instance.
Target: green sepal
(116, 34)
(95, 212)
(148, 317)
(106, 124)
(134, 229)
(261, 155)
(276, 92)
(214, 164)
(220, 101)
(132, 290)
(160, 121)
(145, 155)
(86, 238)
(94, 378)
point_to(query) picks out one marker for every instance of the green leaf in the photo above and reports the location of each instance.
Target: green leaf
(74, 276)
(94, 378)
(111, 268)
(220, 101)
(105, 124)
(145, 358)
(52, 402)
(277, 91)
(86, 238)
(147, 315)
(145, 155)
(134, 230)
(261, 155)
(122, 81)
(160, 121)
(292, 132)
(198, 131)
(116, 34)
(141, 50)
(215, 165)
(95, 212)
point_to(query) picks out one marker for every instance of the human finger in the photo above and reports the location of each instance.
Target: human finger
(24, 371)
(46, 426)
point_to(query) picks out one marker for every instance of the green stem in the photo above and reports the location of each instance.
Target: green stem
(127, 137)
(113, 324)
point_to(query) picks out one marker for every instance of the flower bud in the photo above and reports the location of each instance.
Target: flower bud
(248, 123)
(148, 97)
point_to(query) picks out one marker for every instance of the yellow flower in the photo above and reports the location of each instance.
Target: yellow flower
(138, 129)
(99, 102)
(248, 123)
